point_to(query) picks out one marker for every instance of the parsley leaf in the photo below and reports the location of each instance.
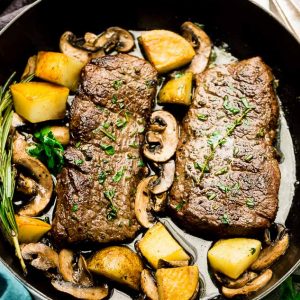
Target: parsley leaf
(102, 177)
(121, 123)
(117, 84)
(48, 150)
(118, 176)
(109, 150)
(228, 107)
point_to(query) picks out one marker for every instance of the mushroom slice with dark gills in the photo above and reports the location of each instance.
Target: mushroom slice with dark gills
(162, 137)
(202, 44)
(165, 180)
(41, 256)
(44, 184)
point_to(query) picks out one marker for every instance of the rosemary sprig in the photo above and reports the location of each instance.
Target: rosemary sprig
(8, 223)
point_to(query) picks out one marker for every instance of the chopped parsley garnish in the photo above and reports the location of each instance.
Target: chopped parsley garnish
(74, 207)
(106, 125)
(150, 83)
(248, 158)
(216, 139)
(245, 102)
(134, 145)
(118, 176)
(102, 177)
(228, 107)
(108, 149)
(225, 219)
(121, 123)
(109, 194)
(77, 145)
(235, 151)
(117, 84)
(222, 171)
(141, 163)
(180, 205)
(114, 99)
(202, 168)
(108, 134)
(202, 117)
(78, 162)
(260, 133)
(179, 74)
(112, 212)
(224, 188)
(48, 150)
(250, 203)
(252, 251)
(211, 195)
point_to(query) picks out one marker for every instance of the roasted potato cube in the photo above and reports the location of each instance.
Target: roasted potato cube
(177, 90)
(118, 263)
(31, 230)
(39, 101)
(158, 244)
(166, 50)
(58, 68)
(177, 283)
(233, 257)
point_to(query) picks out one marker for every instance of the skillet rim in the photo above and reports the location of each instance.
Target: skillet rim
(37, 293)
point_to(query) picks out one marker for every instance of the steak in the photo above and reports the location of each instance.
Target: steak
(96, 188)
(227, 175)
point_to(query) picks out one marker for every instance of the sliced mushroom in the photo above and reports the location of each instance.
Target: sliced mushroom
(271, 253)
(26, 185)
(39, 172)
(240, 282)
(253, 286)
(80, 292)
(83, 275)
(65, 260)
(165, 180)
(160, 202)
(66, 46)
(125, 39)
(61, 133)
(142, 204)
(148, 285)
(30, 67)
(162, 137)
(172, 263)
(202, 44)
(42, 257)
(107, 41)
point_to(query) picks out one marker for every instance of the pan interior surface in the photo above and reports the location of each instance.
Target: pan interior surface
(248, 30)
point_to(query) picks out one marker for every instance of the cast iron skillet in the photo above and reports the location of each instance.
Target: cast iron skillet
(245, 27)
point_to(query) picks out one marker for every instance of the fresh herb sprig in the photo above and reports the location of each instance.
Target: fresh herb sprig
(48, 150)
(7, 174)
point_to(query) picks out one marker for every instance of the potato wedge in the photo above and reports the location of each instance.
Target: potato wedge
(233, 257)
(166, 50)
(118, 263)
(39, 101)
(30, 229)
(158, 244)
(58, 68)
(177, 283)
(177, 90)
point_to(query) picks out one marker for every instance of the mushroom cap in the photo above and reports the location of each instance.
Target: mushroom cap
(202, 44)
(162, 137)
(148, 285)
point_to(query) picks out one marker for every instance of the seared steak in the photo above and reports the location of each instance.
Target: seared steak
(96, 188)
(227, 176)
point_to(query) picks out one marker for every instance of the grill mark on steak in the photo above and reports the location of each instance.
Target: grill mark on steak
(114, 89)
(248, 180)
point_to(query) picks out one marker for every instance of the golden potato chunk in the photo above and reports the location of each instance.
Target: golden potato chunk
(158, 244)
(233, 257)
(58, 68)
(177, 283)
(166, 50)
(39, 101)
(118, 263)
(30, 229)
(177, 90)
